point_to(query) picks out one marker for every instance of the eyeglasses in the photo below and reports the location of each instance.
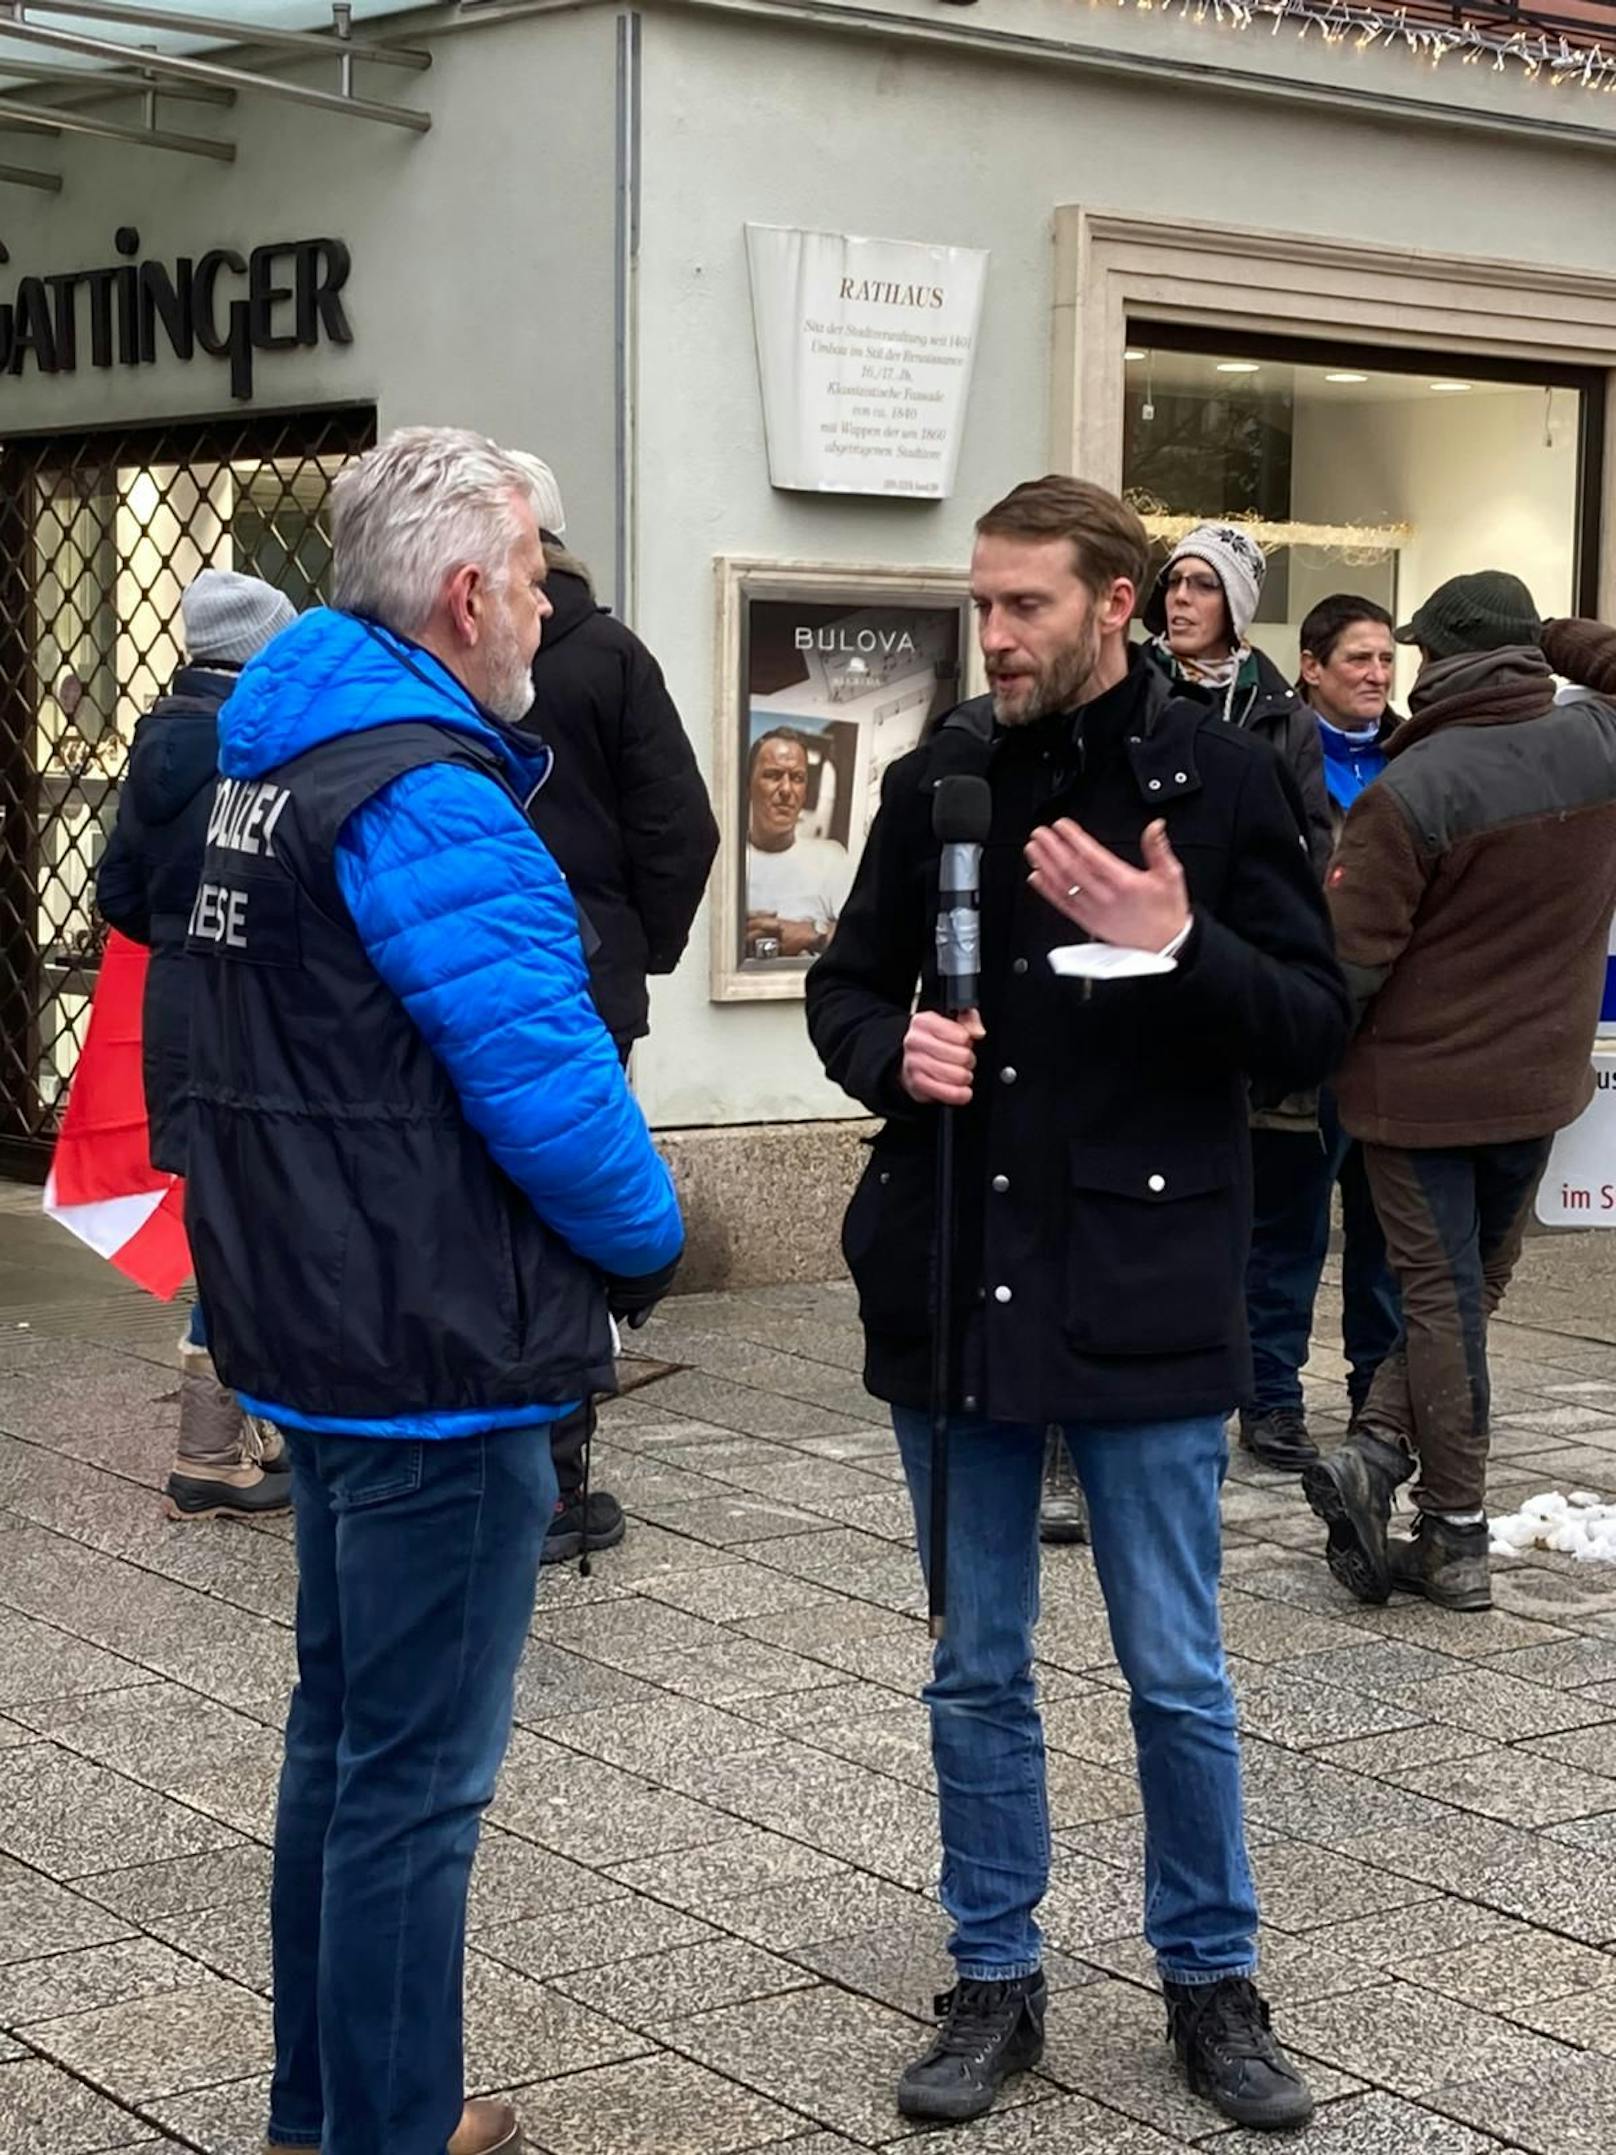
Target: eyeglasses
(1205, 587)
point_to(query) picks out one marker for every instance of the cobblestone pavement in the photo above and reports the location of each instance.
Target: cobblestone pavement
(701, 1921)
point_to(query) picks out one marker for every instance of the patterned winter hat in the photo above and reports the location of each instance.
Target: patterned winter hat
(1239, 563)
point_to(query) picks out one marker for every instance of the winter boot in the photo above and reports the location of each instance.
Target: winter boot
(989, 2031)
(218, 1467)
(485, 2128)
(1352, 1491)
(1225, 2044)
(1445, 1562)
(1278, 1440)
(269, 1445)
(1062, 1513)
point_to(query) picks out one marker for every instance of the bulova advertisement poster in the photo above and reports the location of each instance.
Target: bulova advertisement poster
(831, 686)
(865, 352)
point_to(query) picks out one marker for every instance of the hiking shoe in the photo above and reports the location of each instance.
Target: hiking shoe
(1351, 1491)
(1279, 1440)
(485, 2129)
(1448, 1564)
(567, 1539)
(988, 2032)
(242, 1492)
(1226, 2046)
(1063, 1516)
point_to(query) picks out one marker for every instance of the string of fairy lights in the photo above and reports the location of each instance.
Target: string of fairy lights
(1535, 51)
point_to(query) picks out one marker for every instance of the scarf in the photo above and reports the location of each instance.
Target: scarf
(1205, 673)
(1237, 671)
(1478, 688)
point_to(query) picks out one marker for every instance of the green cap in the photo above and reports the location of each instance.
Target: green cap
(1481, 612)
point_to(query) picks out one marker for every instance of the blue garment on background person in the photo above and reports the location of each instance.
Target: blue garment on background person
(466, 919)
(1352, 761)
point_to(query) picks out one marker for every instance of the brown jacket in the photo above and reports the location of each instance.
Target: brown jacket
(1472, 896)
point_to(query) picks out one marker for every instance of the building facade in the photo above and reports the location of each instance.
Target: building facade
(1261, 264)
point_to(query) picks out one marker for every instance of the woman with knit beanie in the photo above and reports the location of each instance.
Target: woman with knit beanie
(1199, 613)
(1199, 616)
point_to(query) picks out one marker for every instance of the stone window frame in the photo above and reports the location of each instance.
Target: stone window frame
(1225, 278)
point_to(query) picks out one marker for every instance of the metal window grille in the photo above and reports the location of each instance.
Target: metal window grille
(99, 535)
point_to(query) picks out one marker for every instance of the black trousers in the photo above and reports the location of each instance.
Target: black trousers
(569, 1438)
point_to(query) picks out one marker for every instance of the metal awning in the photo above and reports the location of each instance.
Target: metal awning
(113, 51)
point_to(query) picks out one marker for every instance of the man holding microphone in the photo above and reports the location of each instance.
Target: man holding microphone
(1099, 1248)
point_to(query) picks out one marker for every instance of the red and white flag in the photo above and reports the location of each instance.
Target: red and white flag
(102, 1186)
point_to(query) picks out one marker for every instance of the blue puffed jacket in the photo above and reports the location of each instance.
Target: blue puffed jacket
(413, 1158)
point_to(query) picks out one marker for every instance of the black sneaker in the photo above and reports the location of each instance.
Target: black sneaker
(1448, 1564)
(566, 1538)
(989, 2031)
(1063, 1516)
(1351, 1491)
(1226, 2046)
(1279, 1440)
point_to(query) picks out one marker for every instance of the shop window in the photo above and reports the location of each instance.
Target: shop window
(1366, 472)
(99, 535)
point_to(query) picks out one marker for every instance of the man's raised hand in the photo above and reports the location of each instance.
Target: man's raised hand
(1137, 908)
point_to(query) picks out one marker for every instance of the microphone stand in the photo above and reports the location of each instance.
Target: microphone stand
(942, 1371)
(962, 809)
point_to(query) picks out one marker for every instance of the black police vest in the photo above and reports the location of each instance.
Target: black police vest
(357, 1249)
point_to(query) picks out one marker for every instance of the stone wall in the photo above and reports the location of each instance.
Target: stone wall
(763, 1203)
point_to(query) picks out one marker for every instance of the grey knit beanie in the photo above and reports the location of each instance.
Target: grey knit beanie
(1486, 611)
(229, 616)
(1240, 566)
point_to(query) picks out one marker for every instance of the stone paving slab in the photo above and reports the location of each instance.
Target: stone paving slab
(703, 1920)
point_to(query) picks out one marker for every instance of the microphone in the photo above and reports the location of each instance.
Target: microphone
(961, 813)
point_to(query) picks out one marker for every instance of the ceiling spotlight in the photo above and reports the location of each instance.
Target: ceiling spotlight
(1450, 389)
(1346, 377)
(1238, 366)
(1133, 352)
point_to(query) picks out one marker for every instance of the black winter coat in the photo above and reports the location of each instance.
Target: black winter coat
(1103, 1166)
(625, 812)
(148, 876)
(1272, 710)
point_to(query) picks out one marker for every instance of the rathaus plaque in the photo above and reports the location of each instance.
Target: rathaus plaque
(865, 349)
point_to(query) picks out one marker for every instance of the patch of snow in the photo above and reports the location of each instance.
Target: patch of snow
(1581, 1525)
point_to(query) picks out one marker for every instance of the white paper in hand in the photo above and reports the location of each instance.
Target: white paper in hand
(1108, 961)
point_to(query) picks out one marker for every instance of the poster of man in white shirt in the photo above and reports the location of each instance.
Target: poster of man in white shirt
(796, 883)
(835, 693)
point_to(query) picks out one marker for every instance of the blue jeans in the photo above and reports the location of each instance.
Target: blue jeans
(417, 1564)
(1152, 1490)
(196, 1327)
(1293, 1173)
